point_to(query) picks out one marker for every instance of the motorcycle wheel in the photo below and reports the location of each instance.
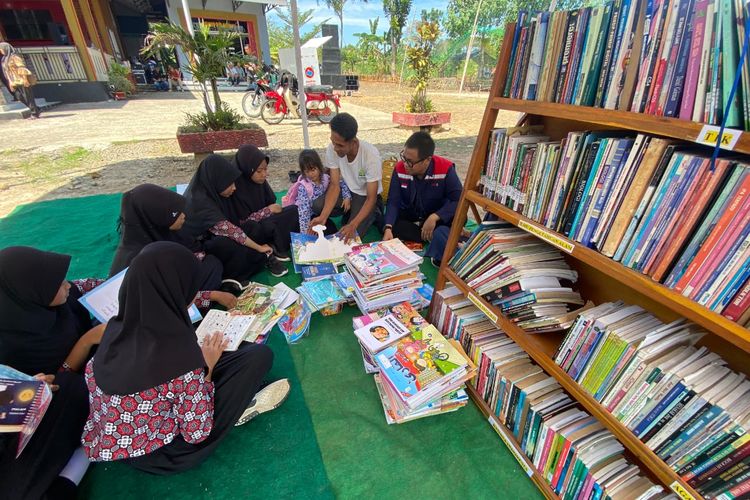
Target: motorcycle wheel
(252, 102)
(269, 114)
(327, 109)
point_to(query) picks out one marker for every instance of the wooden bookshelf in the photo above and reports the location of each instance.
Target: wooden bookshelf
(604, 277)
(511, 443)
(649, 124)
(541, 348)
(738, 335)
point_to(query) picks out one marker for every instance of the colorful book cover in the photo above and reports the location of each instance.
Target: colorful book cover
(322, 293)
(381, 333)
(317, 271)
(346, 283)
(418, 360)
(23, 402)
(318, 249)
(295, 323)
(382, 258)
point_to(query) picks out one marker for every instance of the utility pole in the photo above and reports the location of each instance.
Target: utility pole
(468, 50)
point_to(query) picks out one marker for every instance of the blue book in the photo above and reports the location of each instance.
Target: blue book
(729, 291)
(728, 254)
(678, 441)
(315, 272)
(677, 85)
(663, 406)
(590, 186)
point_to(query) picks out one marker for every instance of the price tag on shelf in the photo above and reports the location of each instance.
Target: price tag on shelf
(511, 446)
(547, 236)
(477, 302)
(682, 492)
(709, 134)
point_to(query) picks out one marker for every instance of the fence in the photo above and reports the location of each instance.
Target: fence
(55, 64)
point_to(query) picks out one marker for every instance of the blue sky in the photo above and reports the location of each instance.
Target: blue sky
(357, 14)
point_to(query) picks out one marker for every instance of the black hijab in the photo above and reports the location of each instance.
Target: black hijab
(35, 337)
(151, 340)
(146, 213)
(204, 203)
(250, 196)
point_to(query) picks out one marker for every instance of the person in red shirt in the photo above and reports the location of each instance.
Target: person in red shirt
(175, 79)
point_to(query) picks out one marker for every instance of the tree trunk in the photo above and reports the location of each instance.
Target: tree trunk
(215, 92)
(341, 22)
(394, 56)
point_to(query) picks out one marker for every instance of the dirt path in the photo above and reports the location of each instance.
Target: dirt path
(83, 149)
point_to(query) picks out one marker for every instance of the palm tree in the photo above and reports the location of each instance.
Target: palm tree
(337, 6)
(207, 54)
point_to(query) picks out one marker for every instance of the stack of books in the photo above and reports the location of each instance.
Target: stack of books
(647, 202)
(318, 250)
(682, 401)
(666, 58)
(418, 373)
(384, 273)
(571, 449)
(327, 294)
(528, 280)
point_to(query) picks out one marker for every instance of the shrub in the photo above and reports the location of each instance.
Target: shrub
(224, 118)
(118, 78)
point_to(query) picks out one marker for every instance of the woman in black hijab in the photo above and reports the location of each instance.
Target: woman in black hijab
(43, 329)
(208, 220)
(253, 206)
(151, 213)
(149, 354)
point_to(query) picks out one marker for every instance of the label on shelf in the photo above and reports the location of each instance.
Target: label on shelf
(710, 133)
(678, 488)
(547, 236)
(511, 446)
(477, 302)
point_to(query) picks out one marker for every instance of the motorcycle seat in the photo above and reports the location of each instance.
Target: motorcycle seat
(319, 88)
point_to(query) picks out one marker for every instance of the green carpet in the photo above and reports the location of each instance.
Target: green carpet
(330, 439)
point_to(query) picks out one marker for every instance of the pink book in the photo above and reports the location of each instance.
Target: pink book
(545, 450)
(694, 65)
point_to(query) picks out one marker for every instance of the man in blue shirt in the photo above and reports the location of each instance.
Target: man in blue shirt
(422, 197)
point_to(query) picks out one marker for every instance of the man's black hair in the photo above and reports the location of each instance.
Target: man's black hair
(345, 125)
(422, 142)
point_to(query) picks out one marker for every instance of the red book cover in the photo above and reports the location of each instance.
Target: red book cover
(716, 234)
(561, 462)
(739, 304)
(656, 87)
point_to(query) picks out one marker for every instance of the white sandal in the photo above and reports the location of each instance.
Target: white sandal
(267, 399)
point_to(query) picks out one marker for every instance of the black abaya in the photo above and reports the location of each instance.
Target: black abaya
(237, 377)
(238, 262)
(274, 230)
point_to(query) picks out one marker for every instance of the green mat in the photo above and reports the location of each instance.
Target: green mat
(330, 438)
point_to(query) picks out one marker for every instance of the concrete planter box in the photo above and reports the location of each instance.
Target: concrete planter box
(220, 140)
(422, 120)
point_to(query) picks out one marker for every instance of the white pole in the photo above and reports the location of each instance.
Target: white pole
(188, 17)
(468, 50)
(300, 74)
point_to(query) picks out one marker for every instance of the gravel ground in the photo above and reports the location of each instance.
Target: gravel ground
(83, 149)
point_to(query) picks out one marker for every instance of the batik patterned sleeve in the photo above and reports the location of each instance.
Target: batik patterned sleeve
(203, 299)
(259, 215)
(194, 407)
(85, 285)
(304, 207)
(229, 230)
(345, 193)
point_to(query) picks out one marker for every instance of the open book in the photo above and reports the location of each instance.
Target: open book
(23, 402)
(234, 327)
(102, 302)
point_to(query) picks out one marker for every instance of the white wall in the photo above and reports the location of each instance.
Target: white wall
(174, 10)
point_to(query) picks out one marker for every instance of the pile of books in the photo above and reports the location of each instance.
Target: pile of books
(571, 449)
(667, 58)
(682, 401)
(528, 280)
(318, 250)
(418, 373)
(385, 273)
(327, 294)
(656, 207)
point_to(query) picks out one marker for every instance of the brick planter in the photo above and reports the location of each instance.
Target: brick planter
(220, 140)
(422, 120)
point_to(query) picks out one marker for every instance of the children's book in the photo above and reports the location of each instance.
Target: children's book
(316, 249)
(234, 327)
(346, 283)
(23, 402)
(379, 260)
(321, 294)
(380, 333)
(409, 317)
(317, 271)
(103, 303)
(295, 323)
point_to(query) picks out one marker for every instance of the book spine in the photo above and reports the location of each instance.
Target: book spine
(715, 458)
(651, 64)
(565, 60)
(675, 394)
(729, 63)
(618, 10)
(683, 20)
(588, 93)
(694, 60)
(613, 377)
(675, 90)
(739, 304)
(614, 67)
(705, 68)
(720, 440)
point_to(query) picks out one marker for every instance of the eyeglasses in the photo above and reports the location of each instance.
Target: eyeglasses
(408, 162)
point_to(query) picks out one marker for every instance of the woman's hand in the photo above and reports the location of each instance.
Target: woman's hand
(346, 204)
(266, 249)
(226, 299)
(47, 379)
(212, 348)
(275, 208)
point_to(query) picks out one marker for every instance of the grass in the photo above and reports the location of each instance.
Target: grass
(46, 167)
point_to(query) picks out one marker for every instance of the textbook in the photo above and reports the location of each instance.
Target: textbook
(234, 327)
(382, 332)
(23, 403)
(103, 303)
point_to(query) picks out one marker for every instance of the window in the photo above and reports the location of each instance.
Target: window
(26, 24)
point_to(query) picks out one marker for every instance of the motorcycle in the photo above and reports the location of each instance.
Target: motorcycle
(320, 102)
(254, 98)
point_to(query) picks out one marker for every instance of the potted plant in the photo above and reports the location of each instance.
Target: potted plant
(419, 110)
(218, 127)
(119, 81)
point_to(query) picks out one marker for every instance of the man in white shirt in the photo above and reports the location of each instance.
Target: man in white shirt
(359, 164)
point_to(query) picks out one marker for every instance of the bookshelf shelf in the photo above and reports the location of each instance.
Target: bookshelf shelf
(541, 349)
(656, 125)
(510, 441)
(700, 315)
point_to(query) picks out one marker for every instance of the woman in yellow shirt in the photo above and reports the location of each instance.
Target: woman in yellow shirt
(20, 78)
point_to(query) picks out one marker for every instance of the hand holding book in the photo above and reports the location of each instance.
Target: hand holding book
(213, 346)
